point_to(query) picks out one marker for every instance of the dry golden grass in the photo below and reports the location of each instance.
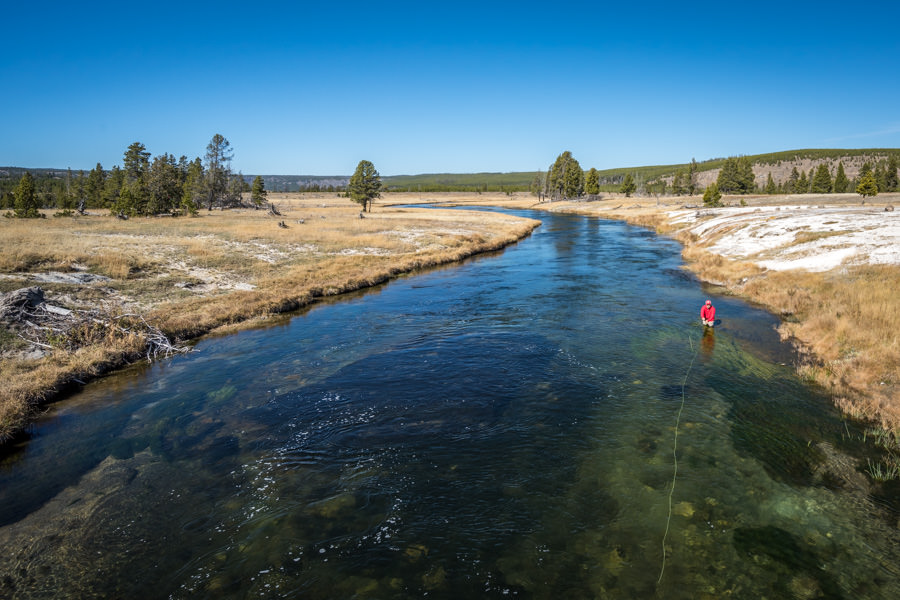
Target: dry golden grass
(846, 322)
(192, 275)
(28, 382)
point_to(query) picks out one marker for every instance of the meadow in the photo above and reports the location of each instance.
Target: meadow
(226, 270)
(219, 271)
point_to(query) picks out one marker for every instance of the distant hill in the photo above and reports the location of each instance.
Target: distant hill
(779, 164)
(296, 183)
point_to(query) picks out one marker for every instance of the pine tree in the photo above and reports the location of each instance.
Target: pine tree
(94, 187)
(802, 184)
(736, 176)
(712, 196)
(565, 179)
(365, 185)
(821, 183)
(125, 204)
(841, 183)
(193, 191)
(867, 187)
(164, 183)
(112, 187)
(26, 201)
(136, 167)
(258, 192)
(628, 185)
(770, 185)
(881, 176)
(218, 170)
(592, 182)
(792, 183)
(891, 181)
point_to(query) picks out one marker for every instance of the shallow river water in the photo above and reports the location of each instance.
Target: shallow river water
(502, 427)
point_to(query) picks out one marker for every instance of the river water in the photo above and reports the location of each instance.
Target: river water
(502, 427)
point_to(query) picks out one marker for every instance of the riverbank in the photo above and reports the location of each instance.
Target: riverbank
(218, 272)
(828, 265)
(825, 264)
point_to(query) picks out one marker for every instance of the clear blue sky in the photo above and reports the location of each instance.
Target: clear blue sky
(423, 87)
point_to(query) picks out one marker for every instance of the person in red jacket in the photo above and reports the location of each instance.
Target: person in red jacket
(708, 314)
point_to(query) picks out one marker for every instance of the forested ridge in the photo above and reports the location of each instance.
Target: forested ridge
(165, 184)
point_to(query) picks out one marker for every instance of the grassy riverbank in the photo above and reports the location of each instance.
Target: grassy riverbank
(844, 320)
(220, 271)
(226, 269)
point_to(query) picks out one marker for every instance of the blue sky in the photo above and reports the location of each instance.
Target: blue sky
(421, 87)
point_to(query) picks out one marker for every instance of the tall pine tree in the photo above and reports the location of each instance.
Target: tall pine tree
(867, 187)
(365, 185)
(628, 185)
(802, 184)
(592, 182)
(565, 179)
(736, 176)
(258, 192)
(26, 200)
(891, 182)
(821, 183)
(841, 183)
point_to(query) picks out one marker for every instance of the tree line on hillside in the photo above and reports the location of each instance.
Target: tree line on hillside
(565, 180)
(141, 186)
(736, 177)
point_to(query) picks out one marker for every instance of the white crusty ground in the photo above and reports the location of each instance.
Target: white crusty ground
(767, 235)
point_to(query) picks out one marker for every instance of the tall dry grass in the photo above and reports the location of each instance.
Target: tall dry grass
(192, 275)
(847, 322)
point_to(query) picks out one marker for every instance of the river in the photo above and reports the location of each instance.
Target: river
(507, 426)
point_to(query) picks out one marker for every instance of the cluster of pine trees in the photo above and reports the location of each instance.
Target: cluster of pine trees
(142, 186)
(882, 177)
(565, 179)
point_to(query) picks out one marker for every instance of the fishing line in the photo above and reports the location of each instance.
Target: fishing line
(675, 457)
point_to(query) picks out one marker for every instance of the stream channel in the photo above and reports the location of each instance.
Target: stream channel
(500, 427)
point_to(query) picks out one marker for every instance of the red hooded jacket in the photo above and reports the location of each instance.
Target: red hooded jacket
(708, 312)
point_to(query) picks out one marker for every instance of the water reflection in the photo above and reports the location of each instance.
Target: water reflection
(504, 427)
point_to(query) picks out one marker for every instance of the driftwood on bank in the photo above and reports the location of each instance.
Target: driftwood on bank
(53, 327)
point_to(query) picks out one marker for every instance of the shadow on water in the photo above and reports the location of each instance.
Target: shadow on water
(786, 557)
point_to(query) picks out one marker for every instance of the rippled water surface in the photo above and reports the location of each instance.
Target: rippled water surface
(503, 427)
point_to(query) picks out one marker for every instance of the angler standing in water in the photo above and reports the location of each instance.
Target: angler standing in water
(708, 314)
